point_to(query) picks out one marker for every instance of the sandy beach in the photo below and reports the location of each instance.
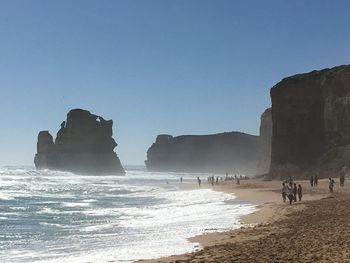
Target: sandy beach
(314, 230)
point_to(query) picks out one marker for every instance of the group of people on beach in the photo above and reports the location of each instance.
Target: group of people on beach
(216, 179)
(314, 180)
(331, 182)
(291, 191)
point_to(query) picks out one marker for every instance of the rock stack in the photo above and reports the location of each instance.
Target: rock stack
(84, 145)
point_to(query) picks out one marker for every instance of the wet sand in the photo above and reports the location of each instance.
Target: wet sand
(314, 230)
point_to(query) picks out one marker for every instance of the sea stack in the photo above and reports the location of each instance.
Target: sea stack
(311, 124)
(83, 145)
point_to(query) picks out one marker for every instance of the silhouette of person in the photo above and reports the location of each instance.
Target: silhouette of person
(300, 192)
(290, 194)
(284, 192)
(331, 184)
(295, 190)
(316, 180)
(312, 181)
(199, 181)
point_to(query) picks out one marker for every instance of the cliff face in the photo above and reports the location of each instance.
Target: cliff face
(232, 152)
(264, 156)
(311, 123)
(84, 144)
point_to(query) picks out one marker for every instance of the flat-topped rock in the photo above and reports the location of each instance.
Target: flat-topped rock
(232, 152)
(84, 144)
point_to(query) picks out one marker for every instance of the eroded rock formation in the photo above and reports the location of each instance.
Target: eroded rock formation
(311, 123)
(233, 152)
(264, 158)
(84, 144)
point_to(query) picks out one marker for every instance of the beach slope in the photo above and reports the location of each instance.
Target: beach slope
(314, 230)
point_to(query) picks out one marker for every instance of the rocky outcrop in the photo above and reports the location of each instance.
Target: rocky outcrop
(232, 152)
(311, 123)
(84, 144)
(264, 156)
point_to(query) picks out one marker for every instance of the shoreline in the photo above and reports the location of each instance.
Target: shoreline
(270, 208)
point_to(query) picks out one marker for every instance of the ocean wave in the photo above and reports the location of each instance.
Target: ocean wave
(52, 216)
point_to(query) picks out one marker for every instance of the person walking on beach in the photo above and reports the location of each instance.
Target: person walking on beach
(316, 180)
(290, 194)
(238, 182)
(290, 181)
(300, 192)
(342, 176)
(180, 179)
(212, 180)
(199, 181)
(342, 179)
(295, 191)
(312, 181)
(284, 192)
(331, 184)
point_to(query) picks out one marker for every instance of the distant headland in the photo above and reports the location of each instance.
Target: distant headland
(232, 152)
(84, 145)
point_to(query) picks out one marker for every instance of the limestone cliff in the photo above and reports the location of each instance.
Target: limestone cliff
(84, 144)
(311, 123)
(264, 156)
(233, 152)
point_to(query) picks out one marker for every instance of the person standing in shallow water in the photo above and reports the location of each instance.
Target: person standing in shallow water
(284, 192)
(300, 192)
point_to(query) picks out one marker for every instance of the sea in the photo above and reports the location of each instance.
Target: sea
(52, 216)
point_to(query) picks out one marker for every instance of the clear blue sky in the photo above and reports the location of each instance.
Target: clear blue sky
(176, 67)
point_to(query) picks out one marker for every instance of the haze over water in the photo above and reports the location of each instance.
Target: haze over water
(49, 216)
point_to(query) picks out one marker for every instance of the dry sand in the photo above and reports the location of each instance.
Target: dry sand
(314, 230)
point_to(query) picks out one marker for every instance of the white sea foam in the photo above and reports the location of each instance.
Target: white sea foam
(50, 216)
(6, 196)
